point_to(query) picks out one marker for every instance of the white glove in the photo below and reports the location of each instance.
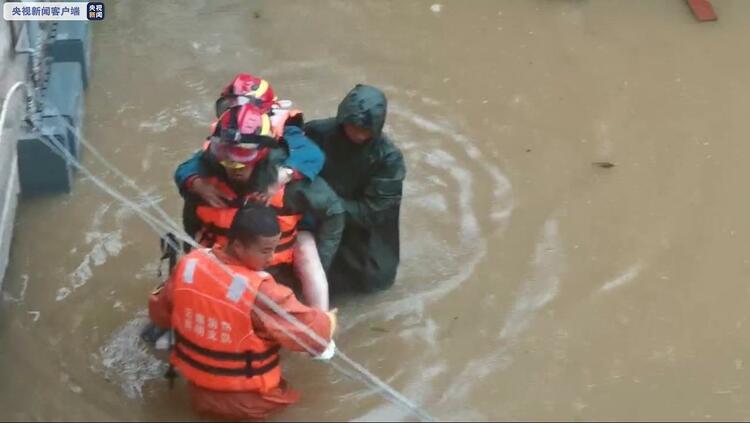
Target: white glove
(328, 353)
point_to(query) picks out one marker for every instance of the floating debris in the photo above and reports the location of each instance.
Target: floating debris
(604, 165)
(379, 329)
(34, 315)
(126, 360)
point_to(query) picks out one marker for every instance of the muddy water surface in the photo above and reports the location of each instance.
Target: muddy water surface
(534, 285)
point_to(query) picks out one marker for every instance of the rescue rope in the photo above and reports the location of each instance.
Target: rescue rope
(6, 101)
(169, 225)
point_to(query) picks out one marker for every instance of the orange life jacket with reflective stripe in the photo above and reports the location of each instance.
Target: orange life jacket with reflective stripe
(217, 221)
(215, 343)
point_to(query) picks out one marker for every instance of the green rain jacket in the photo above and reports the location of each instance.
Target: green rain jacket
(369, 180)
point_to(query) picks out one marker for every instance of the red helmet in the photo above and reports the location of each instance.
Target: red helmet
(246, 89)
(242, 135)
(245, 120)
(236, 156)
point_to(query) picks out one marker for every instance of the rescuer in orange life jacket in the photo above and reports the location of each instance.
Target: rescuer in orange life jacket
(227, 337)
(236, 162)
(257, 151)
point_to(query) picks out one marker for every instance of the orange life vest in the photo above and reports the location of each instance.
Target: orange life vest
(217, 221)
(215, 344)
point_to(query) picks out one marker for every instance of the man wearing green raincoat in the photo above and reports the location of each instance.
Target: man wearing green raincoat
(367, 171)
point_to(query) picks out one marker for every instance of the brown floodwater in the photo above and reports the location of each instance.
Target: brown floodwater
(533, 285)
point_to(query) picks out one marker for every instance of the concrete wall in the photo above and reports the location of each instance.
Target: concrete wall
(12, 69)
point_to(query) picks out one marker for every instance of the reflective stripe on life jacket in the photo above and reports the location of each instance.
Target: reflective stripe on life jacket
(288, 223)
(215, 342)
(217, 221)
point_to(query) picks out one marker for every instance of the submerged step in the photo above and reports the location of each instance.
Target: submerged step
(41, 166)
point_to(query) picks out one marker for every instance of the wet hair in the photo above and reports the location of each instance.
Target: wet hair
(253, 221)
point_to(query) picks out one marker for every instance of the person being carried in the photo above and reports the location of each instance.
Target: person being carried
(240, 164)
(305, 159)
(227, 336)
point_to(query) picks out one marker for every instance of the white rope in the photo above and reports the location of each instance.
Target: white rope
(6, 101)
(169, 225)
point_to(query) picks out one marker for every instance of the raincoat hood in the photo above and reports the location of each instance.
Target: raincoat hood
(364, 106)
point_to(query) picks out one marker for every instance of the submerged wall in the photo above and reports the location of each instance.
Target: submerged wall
(29, 165)
(12, 69)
